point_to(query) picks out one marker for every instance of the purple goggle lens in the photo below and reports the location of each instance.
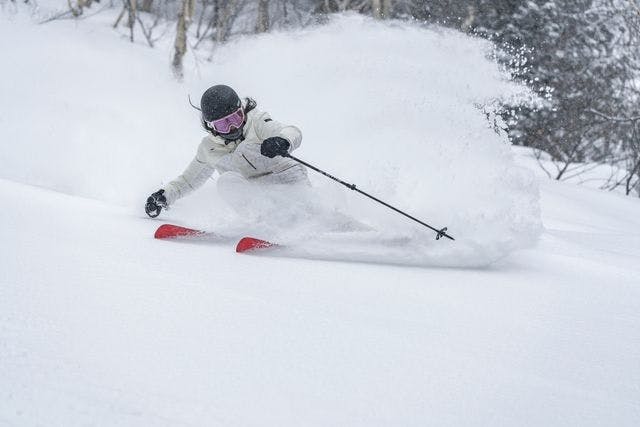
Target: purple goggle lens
(224, 125)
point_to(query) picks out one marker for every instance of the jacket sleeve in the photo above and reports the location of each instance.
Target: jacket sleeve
(193, 177)
(265, 127)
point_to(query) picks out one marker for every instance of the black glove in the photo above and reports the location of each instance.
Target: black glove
(274, 146)
(155, 203)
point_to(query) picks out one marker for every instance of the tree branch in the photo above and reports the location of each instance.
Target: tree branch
(614, 119)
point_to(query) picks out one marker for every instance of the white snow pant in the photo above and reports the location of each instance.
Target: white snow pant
(283, 199)
(283, 194)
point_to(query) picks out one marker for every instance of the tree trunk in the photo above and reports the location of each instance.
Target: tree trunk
(133, 5)
(146, 5)
(180, 45)
(262, 22)
(381, 9)
(115, 25)
(376, 9)
(386, 9)
(225, 19)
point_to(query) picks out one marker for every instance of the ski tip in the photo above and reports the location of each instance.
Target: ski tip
(170, 231)
(251, 243)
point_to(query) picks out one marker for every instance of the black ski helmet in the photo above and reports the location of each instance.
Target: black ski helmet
(219, 101)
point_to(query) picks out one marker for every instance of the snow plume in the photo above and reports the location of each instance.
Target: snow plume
(394, 108)
(391, 107)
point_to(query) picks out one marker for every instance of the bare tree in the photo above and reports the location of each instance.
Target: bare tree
(226, 17)
(133, 10)
(376, 8)
(180, 46)
(146, 6)
(331, 6)
(262, 21)
(630, 151)
(386, 9)
(77, 9)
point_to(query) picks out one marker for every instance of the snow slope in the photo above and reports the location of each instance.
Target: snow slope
(102, 325)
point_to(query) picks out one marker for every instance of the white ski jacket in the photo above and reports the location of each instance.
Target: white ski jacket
(241, 156)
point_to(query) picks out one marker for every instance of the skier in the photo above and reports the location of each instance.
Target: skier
(244, 145)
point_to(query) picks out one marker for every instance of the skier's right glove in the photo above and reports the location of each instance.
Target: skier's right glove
(155, 203)
(274, 146)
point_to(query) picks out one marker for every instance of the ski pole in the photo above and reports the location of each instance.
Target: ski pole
(440, 233)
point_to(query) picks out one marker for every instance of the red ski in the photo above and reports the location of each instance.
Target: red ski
(177, 232)
(170, 231)
(248, 244)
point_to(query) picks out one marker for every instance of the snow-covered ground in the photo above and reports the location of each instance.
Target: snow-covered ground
(591, 175)
(100, 324)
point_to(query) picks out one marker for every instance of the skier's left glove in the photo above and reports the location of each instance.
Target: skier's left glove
(155, 203)
(274, 146)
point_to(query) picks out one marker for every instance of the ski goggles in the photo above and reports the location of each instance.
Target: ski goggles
(224, 125)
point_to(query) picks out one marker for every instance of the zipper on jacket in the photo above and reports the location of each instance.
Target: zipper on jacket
(250, 164)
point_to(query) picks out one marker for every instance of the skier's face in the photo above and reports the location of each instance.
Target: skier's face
(233, 135)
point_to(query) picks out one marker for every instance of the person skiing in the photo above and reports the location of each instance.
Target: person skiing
(244, 145)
